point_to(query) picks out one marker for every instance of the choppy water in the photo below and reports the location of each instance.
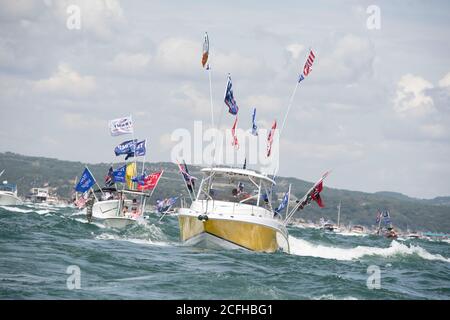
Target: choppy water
(147, 261)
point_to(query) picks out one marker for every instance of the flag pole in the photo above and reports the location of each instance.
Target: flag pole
(145, 154)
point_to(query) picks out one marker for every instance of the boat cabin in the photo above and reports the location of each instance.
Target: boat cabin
(237, 186)
(131, 203)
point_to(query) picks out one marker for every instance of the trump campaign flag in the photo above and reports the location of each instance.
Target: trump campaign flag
(229, 98)
(87, 180)
(127, 147)
(121, 126)
(119, 174)
(150, 181)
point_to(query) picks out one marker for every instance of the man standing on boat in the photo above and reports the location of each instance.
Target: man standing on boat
(89, 204)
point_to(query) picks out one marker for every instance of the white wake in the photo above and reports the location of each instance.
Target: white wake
(304, 248)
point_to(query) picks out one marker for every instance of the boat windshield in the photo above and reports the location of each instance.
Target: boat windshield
(8, 187)
(238, 189)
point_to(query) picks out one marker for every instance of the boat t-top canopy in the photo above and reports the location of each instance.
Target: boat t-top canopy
(237, 172)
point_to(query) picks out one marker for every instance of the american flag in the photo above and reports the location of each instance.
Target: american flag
(270, 138)
(229, 98)
(235, 141)
(308, 64)
(190, 180)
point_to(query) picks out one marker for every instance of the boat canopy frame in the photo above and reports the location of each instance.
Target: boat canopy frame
(258, 180)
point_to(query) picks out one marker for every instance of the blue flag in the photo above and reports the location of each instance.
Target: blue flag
(229, 98)
(86, 181)
(126, 147)
(139, 149)
(254, 127)
(283, 203)
(119, 174)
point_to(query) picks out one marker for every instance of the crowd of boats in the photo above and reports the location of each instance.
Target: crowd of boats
(231, 207)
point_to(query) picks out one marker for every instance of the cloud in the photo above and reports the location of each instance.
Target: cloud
(411, 97)
(189, 99)
(180, 56)
(66, 81)
(295, 49)
(101, 17)
(350, 59)
(130, 63)
(263, 102)
(445, 82)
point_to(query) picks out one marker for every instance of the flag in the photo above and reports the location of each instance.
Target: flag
(109, 178)
(235, 141)
(205, 50)
(307, 68)
(80, 202)
(254, 127)
(150, 181)
(137, 150)
(386, 217)
(121, 126)
(87, 180)
(129, 174)
(119, 174)
(140, 178)
(315, 195)
(377, 220)
(229, 98)
(164, 205)
(127, 147)
(187, 177)
(283, 203)
(270, 138)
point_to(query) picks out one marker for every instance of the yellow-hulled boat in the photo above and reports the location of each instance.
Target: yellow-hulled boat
(229, 211)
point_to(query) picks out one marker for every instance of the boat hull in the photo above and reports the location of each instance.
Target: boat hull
(118, 222)
(105, 209)
(7, 199)
(232, 233)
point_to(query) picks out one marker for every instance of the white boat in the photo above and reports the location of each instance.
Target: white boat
(8, 195)
(221, 216)
(127, 211)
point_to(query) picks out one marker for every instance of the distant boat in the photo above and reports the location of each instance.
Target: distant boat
(385, 227)
(357, 229)
(328, 226)
(42, 196)
(8, 193)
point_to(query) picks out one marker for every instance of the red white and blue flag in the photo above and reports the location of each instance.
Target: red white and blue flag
(270, 138)
(307, 68)
(229, 98)
(235, 141)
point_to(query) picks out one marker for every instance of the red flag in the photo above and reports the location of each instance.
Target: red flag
(150, 181)
(235, 141)
(315, 194)
(270, 138)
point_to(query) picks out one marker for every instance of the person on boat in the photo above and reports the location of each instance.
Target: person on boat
(125, 210)
(134, 209)
(89, 204)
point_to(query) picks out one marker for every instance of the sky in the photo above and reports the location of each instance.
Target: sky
(375, 108)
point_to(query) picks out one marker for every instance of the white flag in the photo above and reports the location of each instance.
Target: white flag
(121, 126)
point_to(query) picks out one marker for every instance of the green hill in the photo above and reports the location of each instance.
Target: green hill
(357, 207)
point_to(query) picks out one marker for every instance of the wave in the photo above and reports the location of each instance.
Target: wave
(15, 209)
(109, 236)
(304, 248)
